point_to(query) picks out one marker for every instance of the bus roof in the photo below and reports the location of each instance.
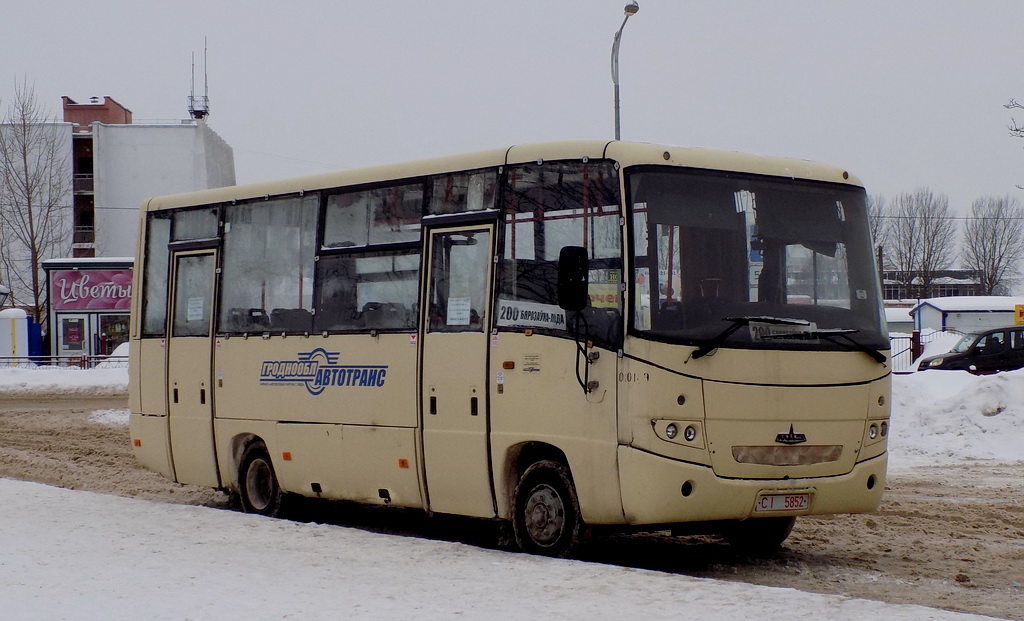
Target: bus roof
(626, 153)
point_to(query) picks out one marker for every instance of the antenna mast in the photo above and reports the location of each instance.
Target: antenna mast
(199, 107)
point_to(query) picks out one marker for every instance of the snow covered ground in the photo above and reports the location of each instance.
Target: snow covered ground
(76, 555)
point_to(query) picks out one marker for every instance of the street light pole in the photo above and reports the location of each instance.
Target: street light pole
(631, 9)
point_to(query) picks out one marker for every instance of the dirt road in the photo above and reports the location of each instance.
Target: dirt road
(949, 537)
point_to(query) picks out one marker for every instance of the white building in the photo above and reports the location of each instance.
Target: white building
(118, 164)
(134, 162)
(899, 319)
(967, 313)
(112, 165)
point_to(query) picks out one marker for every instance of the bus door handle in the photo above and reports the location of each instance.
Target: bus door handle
(473, 411)
(175, 395)
(433, 406)
(202, 396)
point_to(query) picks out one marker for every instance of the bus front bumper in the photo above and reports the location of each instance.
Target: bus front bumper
(658, 490)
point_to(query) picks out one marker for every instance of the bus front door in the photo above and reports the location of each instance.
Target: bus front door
(454, 333)
(189, 351)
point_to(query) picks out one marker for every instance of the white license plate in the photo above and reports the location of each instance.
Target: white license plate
(767, 503)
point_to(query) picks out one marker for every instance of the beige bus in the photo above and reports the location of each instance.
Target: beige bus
(558, 336)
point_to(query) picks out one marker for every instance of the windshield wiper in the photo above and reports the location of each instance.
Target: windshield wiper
(737, 323)
(830, 334)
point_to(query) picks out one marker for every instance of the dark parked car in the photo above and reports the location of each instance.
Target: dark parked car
(985, 351)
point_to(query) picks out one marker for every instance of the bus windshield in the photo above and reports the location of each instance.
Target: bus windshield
(790, 262)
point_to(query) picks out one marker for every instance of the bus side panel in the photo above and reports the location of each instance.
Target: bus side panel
(134, 373)
(149, 370)
(349, 462)
(540, 400)
(150, 442)
(147, 401)
(651, 399)
(230, 439)
(342, 379)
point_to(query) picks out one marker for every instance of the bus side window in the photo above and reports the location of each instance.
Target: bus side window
(377, 216)
(464, 191)
(268, 262)
(154, 305)
(291, 320)
(362, 291)
(546, 207)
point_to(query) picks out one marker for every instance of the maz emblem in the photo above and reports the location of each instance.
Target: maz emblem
(790, 438)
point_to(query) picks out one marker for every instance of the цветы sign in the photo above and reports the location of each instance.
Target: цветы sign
(90, 289)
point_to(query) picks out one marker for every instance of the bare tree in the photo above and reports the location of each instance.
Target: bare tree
(923, 235)
(35, 180)
(1016, 131)
(994, 242)
(878, 213)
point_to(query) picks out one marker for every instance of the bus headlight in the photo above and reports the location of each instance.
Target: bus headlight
(686, 433)
(876, 432)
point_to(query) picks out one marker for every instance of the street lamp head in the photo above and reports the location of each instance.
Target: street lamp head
(631, 8)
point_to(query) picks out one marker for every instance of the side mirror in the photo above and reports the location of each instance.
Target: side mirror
(573, 278)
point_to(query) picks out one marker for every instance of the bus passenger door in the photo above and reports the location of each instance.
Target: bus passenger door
(189, 352)
(455, 328)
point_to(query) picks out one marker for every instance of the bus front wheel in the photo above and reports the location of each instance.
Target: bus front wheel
(546, 515)
(257, 483)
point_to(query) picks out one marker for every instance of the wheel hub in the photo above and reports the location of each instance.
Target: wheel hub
(258, 485)
(545, 515)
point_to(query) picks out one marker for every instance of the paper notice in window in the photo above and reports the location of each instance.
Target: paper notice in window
(195, 309)
(458, 311)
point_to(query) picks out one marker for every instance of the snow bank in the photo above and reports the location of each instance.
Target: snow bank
(953, 417)
(42, 382)
(89, 557)
(114, 418)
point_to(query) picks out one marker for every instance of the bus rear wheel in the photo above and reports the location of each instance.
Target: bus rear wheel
(257, 484)
(546, 517)
(759, 536)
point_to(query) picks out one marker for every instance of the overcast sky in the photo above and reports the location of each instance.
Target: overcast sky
(903, 94)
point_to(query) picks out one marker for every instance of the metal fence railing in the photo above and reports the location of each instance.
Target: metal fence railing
(901, 346)
(63, 362)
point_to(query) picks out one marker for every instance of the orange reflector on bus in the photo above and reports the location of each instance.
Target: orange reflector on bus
(508, 364)
(403, 463)
(286, 455)
(137, 442)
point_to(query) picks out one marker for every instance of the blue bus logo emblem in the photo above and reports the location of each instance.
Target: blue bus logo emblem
(319, 369)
